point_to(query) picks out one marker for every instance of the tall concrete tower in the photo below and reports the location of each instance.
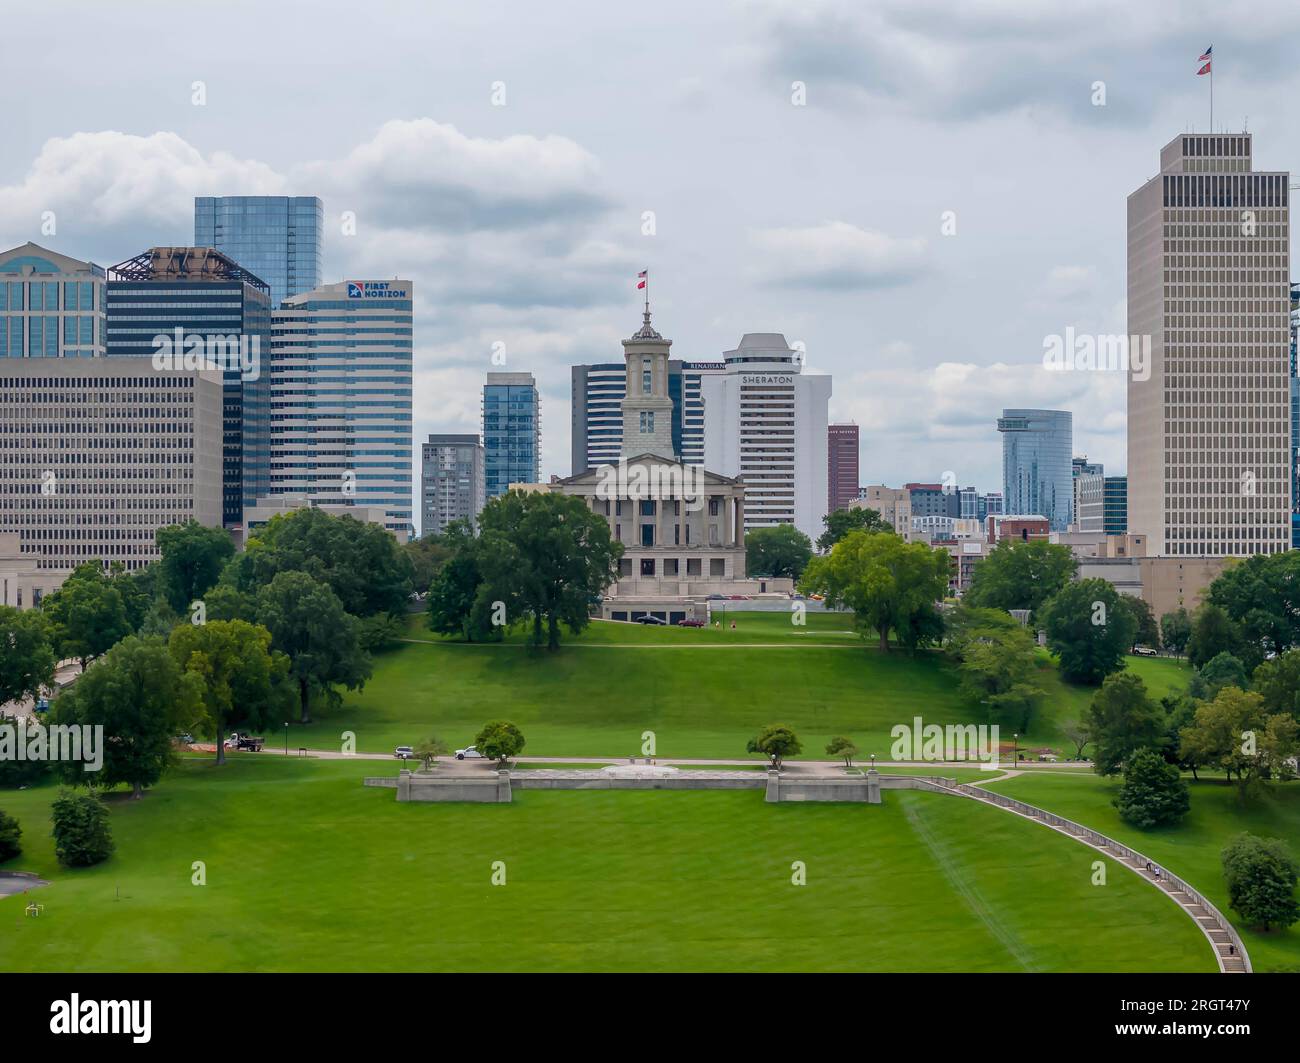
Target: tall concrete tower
(647, 408)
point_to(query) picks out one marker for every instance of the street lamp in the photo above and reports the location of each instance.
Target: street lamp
(286, 738)
(873, 762)
(1015, 749)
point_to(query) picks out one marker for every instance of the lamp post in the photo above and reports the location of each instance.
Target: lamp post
(286, 738)
(1015, 749)
(873, 762)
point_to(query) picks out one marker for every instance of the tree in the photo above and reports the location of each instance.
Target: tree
(1122, 719)
(998, 664)
(1153, 794)
(776, 741)
(193, 556)
(1079, 734)
(360, 562)
(499, 740)
(890, 585)
(1278, 682)
(782, 550)
(1180, 713)
(427, 555)
(453, 596)
(138, 590)
(10, 832)
(430, 750)
(842, 747)
(1224, 670)
(244, 684)
(1176, 630)
(87, 616)
(1261, 878)
(308, 624)
(1213, 632)
(546, 557)
(27, 663)
(379, 632)
(1146, 633)
(1233, 734)
(842, 521)
(81, 832)
(1021, 575)
(1089, 630)
(1261, 596)
(18, 774)
(138, 694)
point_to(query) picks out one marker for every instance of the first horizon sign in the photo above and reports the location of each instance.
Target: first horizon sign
(374, 290)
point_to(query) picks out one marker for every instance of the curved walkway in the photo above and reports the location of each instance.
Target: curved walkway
(1229, 950)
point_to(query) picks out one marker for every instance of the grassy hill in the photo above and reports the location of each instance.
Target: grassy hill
(308, 871)
(1191, 849)
(703, 692)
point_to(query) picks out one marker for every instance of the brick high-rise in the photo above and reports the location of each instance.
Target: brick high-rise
(841, 466)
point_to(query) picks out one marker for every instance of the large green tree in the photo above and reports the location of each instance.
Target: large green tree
(1122, 719)
(427, 555)
(1089, 629)
(308, 624)
(840, 522)
(86, 615)
(998, 663)
(1277, 681)
(1176, 630)
(890, 585)
(1235, 735)
(547, 558)
(776, 741)
(499, 740)
(141, 698)
(192, 558)
(1146, 631)
(245, 684)
(1260, 874)
(1021, 575)
(1223, 670)
(1213, 633)
(781, 550)
(26, 654)
(1153, 794)
(360, 562)
(453, 603)
(1261, 596)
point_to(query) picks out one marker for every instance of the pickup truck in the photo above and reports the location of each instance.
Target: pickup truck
(245, 742)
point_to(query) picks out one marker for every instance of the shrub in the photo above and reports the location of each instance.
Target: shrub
(81, 833)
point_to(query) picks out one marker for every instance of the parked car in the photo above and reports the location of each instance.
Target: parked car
(185, 739)
(246, 742)
(1145, 651)
(42, 704)
(738, 597)
(717, 597)
(692, 623)
(468, 753)
(404, 753)
(647, 618)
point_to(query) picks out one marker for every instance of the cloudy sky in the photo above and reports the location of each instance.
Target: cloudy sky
(798, 161)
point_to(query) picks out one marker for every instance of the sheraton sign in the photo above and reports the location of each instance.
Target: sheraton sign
(767, 378)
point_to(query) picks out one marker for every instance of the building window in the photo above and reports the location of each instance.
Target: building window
(645, 381)
(692, 566)
(647, 535)
(648, 421)
(647, 566)
(670, 566)
(717, 566)
(647, 507)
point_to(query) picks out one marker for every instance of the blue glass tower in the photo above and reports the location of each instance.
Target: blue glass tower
(1037, 472)
(277, 238)
(511, 432)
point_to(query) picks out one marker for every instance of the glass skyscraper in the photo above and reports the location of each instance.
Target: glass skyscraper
(1037, 470)
(341, 390)
(204, 294)
(511, 432)
(278, 238)
(51, 306)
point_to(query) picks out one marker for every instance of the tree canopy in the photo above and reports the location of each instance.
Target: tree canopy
(1089, 630)
(192, 558)
(840, 522)
(1122, 719)
(27, 661)
(781, 550)
(1021, 575)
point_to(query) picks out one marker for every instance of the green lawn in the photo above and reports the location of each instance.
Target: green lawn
(309, 871)
(703, 692)
(1190, 850)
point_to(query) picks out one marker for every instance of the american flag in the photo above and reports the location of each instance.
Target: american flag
(1205, 58)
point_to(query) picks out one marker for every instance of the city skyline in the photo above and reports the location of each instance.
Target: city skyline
(550, 190)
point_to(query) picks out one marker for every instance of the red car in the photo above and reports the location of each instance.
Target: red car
(690, 623)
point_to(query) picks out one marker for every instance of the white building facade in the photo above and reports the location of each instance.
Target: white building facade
(765, 423)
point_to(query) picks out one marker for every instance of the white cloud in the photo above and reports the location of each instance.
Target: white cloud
(834, 255)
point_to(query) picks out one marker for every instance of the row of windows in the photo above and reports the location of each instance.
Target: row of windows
(44, 295)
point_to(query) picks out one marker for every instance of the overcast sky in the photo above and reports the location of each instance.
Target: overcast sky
(504, 155)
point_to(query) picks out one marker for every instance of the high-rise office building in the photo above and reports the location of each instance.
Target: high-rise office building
(1090, 502)
(99, 454)
(1209, 456)
(1295, 419)
(451, 481)
(765, 420)
(1037, 472)
(341, 428)
(841, 466)
(277, 238)
(51, 306)
(512, 432)
(597, 414)
(180, 301)
(990, 504)
(934, 500)
(1115, 505)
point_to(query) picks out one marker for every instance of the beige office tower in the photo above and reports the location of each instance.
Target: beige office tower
(1208, 282)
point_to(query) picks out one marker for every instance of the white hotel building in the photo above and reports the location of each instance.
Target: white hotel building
(341, 400)
(765, 422)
